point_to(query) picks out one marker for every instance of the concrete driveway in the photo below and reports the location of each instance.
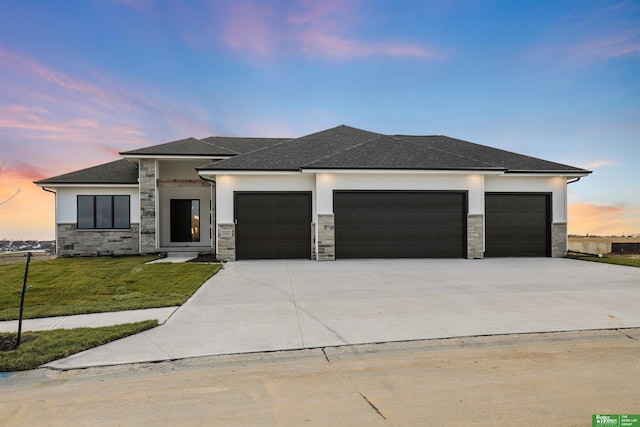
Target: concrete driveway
(278, 305)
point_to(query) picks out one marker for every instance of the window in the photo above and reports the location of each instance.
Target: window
(100, 212)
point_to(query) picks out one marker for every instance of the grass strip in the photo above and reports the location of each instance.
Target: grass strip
(615, 260)
(67, 286)
(40, 347)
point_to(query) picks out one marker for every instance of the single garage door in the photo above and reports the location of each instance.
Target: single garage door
(517, 225)
(273, 225)
(400, 224)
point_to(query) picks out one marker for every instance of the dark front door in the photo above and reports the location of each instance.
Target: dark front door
(273, 225)
(400, 224)
(517, 225)
(185, 220)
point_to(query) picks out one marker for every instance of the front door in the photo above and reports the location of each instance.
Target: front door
(185, 220)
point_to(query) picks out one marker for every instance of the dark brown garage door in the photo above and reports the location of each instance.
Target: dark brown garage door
(400, 224)
(517, 225)
(273, 225)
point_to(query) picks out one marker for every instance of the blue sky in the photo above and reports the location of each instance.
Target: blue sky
(82, 80)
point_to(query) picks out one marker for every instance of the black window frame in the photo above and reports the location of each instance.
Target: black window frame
(94, 212)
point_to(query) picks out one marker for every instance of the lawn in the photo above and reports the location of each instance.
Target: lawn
(41, 347)
(617, 260)
(67, 286)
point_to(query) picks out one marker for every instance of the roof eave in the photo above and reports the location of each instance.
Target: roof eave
(571, 173)
(86, 184)
(486, 171)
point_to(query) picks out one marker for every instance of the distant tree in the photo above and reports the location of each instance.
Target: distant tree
(18, 191)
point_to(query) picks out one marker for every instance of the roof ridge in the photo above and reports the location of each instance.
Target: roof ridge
(239, 155)
(216, 146)
(359, 144)
(445, 151)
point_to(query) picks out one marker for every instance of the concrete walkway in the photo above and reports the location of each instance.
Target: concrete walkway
(89, 320)
(256, 306)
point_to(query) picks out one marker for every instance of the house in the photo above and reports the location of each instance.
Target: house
(339, 193)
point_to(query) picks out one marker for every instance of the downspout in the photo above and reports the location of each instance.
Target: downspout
(56, 215)
(214, 237)
(575, 180)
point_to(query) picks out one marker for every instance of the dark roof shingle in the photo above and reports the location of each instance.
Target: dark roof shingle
(344, 147)
(117, 172)
(210, 146)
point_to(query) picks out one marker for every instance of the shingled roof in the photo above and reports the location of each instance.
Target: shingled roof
(117, 172)
(213, 146)
(341, 147)
(344, 147)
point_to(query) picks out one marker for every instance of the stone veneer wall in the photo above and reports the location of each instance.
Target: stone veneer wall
(559, 239)
(475, 236)
(326, 238)
(313, 241)
(147, 181)
(226, 242)
(72, 242)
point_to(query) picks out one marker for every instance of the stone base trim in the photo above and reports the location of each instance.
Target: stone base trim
(559, 239)
(74, 242)
(326, 238)
(475, 236)
(226, 242)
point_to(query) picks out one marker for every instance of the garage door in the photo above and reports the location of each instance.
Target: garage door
(517, 225)
(400, 224)
(273, 225)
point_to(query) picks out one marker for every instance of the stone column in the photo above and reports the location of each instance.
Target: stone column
(326, 238)
(313, 241)
(226, 242)
(475, 236)
(148, 195)
(559, 239)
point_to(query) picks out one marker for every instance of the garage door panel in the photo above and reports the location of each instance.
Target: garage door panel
(399, 224)
(273, 225)
(517, 224)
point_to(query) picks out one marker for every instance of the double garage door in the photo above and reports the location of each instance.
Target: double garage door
(368, 224)
(391, 224)
(400, 224)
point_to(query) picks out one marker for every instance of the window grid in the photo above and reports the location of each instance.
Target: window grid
(103, 212)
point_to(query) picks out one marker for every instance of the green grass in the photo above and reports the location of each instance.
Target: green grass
(616, 260)
(67, 286)
(41, 347)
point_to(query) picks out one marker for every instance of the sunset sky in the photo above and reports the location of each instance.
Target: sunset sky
(83, 80)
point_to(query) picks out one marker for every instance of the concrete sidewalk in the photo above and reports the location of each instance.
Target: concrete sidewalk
(94, 320)
(255, 306)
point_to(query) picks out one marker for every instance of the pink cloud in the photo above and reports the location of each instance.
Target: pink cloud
(594, 35)
(317, 43)
(250, 27)
(585, 218)
(315, 29)
(618, 43)
(140, 6)
(599, 163)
